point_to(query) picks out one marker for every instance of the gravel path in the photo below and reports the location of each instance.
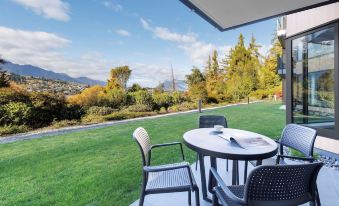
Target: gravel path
(45, 133)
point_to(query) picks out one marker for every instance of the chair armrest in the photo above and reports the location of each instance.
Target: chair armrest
(215, 178)
(162, 168)
(170, 144)
(277, 141)
(309, 159)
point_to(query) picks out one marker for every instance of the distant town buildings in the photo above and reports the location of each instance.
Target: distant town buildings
(34, 84)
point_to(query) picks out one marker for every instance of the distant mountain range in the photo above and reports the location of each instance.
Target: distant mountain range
(179, 85)
(29, 70)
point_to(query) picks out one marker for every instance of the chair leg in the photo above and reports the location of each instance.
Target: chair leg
(245, 171)
(189, 198)
(317, 197)
(143, 188)
(226, 165)
(141, 200)
(197, 199)
(214, 200)
(196, 162)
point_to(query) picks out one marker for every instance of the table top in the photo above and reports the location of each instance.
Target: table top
(207, 142)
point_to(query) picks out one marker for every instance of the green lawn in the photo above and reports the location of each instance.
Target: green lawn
(103, 166)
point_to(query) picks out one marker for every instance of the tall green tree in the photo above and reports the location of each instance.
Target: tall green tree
(254, 48)
(268, 77)
(4, 79)
(213, 74)
(241, 70)
(196, 85)
(255, 64)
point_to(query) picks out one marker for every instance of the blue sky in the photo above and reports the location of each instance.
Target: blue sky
(87, 38)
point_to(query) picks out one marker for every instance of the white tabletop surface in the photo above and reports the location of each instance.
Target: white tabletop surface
(207, 142)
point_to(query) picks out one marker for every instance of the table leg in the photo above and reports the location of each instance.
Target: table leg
(235, 172)
(238, 173)
(203, 178)
(213, 162)
(245, 172)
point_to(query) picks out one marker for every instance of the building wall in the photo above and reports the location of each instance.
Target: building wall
(305, 20)
(327, 144)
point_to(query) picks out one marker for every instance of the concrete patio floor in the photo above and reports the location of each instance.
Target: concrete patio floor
(328, 184)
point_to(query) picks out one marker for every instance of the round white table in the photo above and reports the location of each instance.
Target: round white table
(206, 142)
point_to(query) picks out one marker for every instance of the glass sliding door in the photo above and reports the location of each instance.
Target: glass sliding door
(313, 80)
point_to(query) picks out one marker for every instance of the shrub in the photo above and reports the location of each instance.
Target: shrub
(72, 112)
(162, 110)
(127, 115)
(135, 88)
(13, 129)
(89, 119)
(177, 97)
(212, 100)
(95, 110)
(114, 98)
(15, 113)
(88, 97)
(173, 108)
(161, 99)
(142, 97)
(9, 94)
(187, 106)
(46, 109)
(259, 94)
(138, 108)
(64, 123)
(198, 92)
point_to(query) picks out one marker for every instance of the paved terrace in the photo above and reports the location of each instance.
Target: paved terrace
(328, 185)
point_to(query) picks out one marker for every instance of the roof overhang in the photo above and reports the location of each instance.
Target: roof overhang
(230, 14)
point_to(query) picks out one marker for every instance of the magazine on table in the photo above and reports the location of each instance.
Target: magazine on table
(246, 142)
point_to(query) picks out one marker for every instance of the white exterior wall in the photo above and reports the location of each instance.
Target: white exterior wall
(327, 144)
(302, 21)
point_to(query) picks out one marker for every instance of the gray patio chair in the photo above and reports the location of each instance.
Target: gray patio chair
(208, 121)
(297, 137)
(167, 178)
(278, 185)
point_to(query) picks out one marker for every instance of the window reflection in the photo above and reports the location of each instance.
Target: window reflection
(313, 79)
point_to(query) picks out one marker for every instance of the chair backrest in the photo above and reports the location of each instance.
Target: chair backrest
(299, 138)
(208, 121)
(141, 136)
(281, 185)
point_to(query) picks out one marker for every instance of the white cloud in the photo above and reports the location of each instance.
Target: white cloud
(144, 74)
(165, 34)
(195, 49)
(111, 5)
(51, 9)
(45, 50)
(123, 32)
(145, 24)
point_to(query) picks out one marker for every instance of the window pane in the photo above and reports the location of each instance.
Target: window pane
(313, 79)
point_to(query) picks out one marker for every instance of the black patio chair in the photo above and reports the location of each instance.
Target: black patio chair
(278, 185)
(297, 137)
(208, 121)
(167, 178)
